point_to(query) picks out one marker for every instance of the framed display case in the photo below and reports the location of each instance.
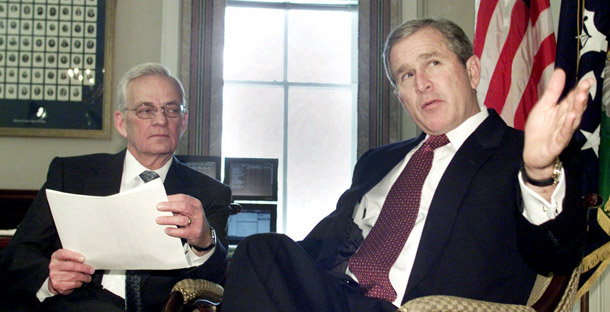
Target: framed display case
(56, 68)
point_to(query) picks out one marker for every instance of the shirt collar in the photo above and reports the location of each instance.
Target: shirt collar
(458, 136)
(132, 168)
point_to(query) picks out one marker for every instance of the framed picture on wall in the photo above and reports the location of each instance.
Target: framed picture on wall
(56, 68)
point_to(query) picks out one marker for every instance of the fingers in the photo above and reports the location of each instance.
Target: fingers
(67, 271)
(555, 87)
(188, 217)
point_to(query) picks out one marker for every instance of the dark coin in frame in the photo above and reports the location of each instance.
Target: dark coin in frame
(14, 8)
(39, 26)
(24, 91)
(38, 42)
(63, 59)
(91, 13)
(24, 75)
(77, 44)
(77, 28)
(77, 60)
(25, 58)
(11, 73)
(65, 11)
(63, 92)
(64, 43)
(52, 27)
(1, 57)
(12, 42)
(75, 92)
(91, 29)
(11, 90)
(40, 11)
(90, 60)
(50, 92)
(78, 12)
(63, 75)
(52, 43)
(12, 58)
(37, 75)
(51, 59)
(37, 91)
(26, 26)
(13, 25)
(27, 10)
(90, 44)
(26, 42)
(1, 41)
(2, 9)
(38, 59)
(65, 28)
(51, 75)
(52, 11)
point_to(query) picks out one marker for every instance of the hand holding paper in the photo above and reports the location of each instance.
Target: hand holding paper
(119, 231)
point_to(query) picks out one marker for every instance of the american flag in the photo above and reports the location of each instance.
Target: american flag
(515, 41)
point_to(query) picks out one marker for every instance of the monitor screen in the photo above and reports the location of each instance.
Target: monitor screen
(208, 165)
(252, 178)
(254, 218)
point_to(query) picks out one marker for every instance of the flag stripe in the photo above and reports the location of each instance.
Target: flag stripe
(519, 46)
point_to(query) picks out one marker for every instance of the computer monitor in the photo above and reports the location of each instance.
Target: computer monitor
(252, 178)
(254, 218)
(208, 165)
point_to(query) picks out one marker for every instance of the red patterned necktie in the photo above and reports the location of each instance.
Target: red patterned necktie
(372, 262)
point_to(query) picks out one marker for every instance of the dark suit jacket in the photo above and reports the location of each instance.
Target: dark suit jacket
(24, 263)
(475, 242)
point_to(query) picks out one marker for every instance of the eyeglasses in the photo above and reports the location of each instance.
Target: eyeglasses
(147, 111)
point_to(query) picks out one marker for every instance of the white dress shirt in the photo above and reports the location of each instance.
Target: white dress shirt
(114, 280)
(366, 212)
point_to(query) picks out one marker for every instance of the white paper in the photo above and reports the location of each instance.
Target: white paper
(118, 232)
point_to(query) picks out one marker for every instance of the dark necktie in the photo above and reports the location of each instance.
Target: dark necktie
(372, 262)
(133, 300)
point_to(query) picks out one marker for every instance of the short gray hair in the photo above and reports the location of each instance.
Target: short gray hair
(146, 69)
(455, 38)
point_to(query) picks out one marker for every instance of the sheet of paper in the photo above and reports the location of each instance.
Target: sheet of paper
(118, 232)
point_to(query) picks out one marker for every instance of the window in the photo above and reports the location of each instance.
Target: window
(290, 85)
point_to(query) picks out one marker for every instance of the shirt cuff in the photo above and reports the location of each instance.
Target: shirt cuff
(538, 210)
(44, 293)
(195, 260)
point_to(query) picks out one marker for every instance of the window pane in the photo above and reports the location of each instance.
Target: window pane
(319, 46)
(254, 43)
(253, 122)
(320, 153)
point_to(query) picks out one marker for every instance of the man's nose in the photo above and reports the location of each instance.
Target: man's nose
(422, 82)
(159, 118)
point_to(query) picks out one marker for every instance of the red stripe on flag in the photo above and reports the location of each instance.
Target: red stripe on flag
(501, 80)
(486, 10)
(544, 57)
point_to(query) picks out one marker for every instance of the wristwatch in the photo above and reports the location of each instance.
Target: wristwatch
(553, 180)
(212, 245)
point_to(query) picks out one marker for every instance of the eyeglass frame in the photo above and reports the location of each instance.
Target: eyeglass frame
(182, 110)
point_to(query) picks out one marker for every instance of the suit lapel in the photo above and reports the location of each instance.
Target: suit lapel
(106, 176)
(449, 194)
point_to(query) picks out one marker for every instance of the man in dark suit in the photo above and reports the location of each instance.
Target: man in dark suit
(37, 273)
(495, 208)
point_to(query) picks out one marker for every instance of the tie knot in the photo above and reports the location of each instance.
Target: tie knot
(435, 142)
(148, 176)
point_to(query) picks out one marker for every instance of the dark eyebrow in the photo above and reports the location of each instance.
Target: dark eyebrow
(423, 56)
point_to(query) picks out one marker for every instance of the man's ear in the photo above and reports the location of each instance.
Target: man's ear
(184, 122)
(473, 67)
(119, 123)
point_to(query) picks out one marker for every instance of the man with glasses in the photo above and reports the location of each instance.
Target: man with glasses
(34, 269)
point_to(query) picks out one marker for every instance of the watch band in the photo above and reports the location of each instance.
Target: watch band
(553, 180)
(212, 245)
